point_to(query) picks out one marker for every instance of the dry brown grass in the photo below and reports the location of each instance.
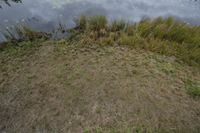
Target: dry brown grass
(93, 88)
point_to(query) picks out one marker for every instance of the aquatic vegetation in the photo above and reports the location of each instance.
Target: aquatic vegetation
(164, 36)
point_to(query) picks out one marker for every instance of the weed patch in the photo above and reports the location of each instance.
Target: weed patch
(193, 89)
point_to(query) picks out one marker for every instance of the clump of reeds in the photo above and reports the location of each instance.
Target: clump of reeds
(163, 36)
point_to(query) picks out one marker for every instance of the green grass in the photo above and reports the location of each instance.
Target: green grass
(118, 25)
(164, 36)
(24, 48)
(81, 22)
(193, 89)
(97, 23)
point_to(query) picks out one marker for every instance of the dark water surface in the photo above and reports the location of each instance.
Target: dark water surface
(46, 14)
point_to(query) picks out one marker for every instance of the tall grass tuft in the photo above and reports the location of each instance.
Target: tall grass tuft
(130, 29)
(118, 25)
(81, 22)
(97, 23)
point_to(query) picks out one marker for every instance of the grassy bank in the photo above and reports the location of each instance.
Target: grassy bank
(64, 86)
(103, 78)
(163, 36)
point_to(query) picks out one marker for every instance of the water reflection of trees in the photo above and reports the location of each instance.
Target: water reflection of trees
(7, 2)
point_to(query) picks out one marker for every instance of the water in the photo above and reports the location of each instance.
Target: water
(46, 14)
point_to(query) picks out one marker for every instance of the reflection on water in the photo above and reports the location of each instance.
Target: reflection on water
(46, 14)
(7, 2)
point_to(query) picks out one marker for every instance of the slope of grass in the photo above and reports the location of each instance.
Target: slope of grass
(68, 86)
(103, 78)
(164, 36)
